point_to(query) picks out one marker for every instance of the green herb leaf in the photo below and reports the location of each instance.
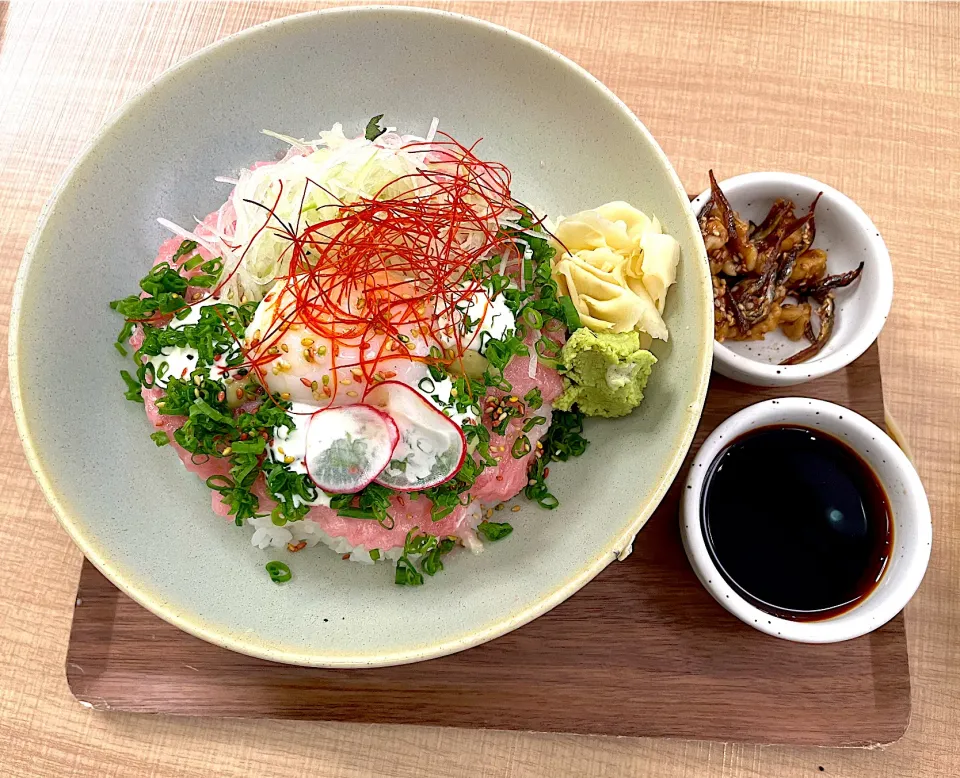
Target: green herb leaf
(374, 130)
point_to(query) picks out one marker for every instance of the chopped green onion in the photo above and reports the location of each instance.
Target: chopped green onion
(521, 447)
(532, 422)
(279, 572)
(407, 574)
(186, 247)
(532, 317)
(255, 446)
(219, 482)
(493, 530)
(202, 406)
(133, 387)
(431, 563)
(570, 314)
(161, 438)
(533, 399)
(375, 554)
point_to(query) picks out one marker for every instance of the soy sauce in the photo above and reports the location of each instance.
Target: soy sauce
(796, 522)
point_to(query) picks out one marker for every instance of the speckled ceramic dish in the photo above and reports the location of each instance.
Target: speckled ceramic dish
(849, 237)
(146, 522)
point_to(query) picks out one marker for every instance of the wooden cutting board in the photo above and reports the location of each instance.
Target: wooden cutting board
(642, 650)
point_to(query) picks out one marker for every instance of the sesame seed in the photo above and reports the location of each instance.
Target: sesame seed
(321, 350)
(284, 348)
(226, 451)
(356, 373)
(346, 382)
(289, 460)
(306, 342)
(515, 508)
(308, 354)
(326, 380)
(284, 395)
(499, 507)
(351, 393)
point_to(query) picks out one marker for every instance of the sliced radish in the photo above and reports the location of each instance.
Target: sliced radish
(431, 447)
(347, 447)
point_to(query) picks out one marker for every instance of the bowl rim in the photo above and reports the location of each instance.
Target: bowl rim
(742, 367)
(854, 622)
(195, 625)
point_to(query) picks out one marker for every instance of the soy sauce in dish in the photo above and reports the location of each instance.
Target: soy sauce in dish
(796, 522)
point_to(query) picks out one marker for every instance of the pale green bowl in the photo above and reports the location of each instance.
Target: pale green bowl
(132, 508)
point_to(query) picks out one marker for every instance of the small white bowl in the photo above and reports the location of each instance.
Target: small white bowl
(848, 236)
(912, 528)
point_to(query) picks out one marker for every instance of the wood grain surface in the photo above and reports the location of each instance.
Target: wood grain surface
(864, 96)
(642, 650)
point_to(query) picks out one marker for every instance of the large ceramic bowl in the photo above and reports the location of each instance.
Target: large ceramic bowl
(132, 508)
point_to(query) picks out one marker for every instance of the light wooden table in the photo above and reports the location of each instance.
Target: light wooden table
(866, 97)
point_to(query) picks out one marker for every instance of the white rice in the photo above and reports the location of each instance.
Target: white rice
(268, 535)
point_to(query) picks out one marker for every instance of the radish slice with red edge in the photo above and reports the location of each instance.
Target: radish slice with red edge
(348, 446)
(431, 448)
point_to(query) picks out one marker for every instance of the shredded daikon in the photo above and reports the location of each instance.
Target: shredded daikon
(532, 367)
(187, 235)
(432, 132)
(522, 230)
